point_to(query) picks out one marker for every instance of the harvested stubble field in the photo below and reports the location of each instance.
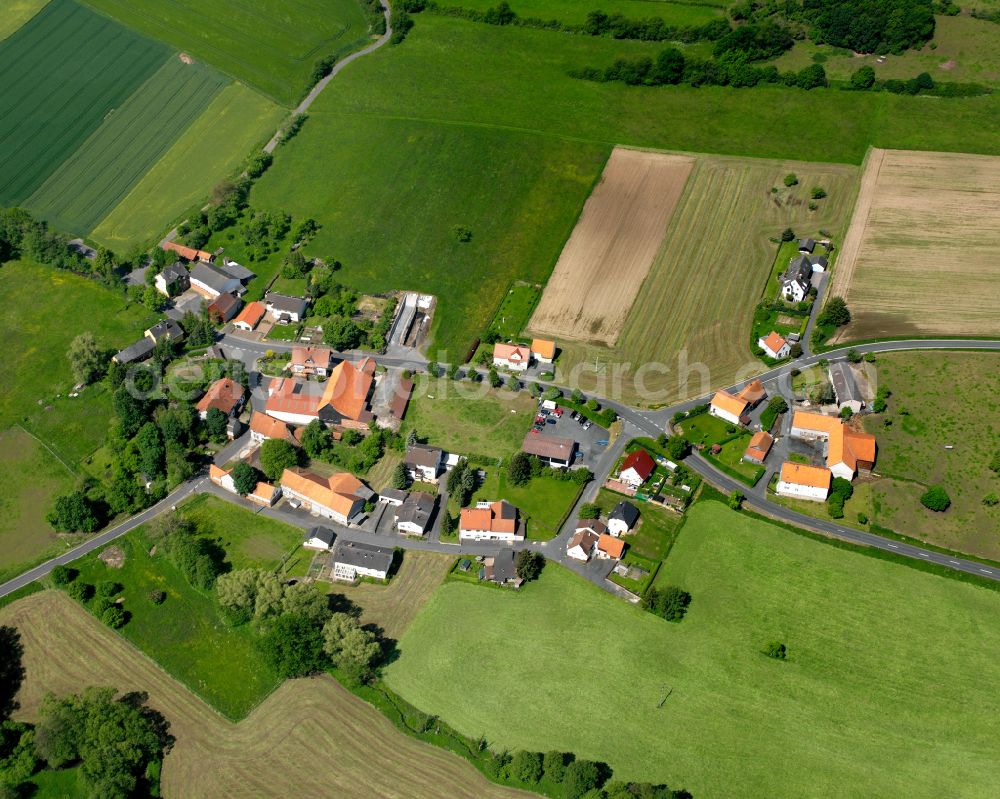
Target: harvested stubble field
(95, 178)
(925, 231)
(310, 738)
(393, 606)
(692, 314)
(64, 71)
(603, 265)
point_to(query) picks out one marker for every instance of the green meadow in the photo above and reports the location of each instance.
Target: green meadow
(14, 13)
(270, 44)
(574, 12)
(886, 665)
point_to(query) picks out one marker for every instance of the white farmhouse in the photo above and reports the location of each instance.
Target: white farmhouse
(804, 482)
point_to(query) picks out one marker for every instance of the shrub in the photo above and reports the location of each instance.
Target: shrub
(862, 518)
(157, 597)
(526, 766)
(936, 499)
(991, 499)
(835, 313)
(80, 591)
(581, 777)
(113, 616)
(791, 179)
(787, 234)
(63, 575)
(670, 602)
(776, 650)
(461, 233)
(734, 500)
(863, 78)
(817, 193)
(590, 510)
(835, 505)
(108, 589)
(554, 765)
(853, 356)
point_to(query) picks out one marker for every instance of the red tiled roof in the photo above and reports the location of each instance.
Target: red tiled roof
(224, 394)
(188, 253)
(641, 462)
(251, 314)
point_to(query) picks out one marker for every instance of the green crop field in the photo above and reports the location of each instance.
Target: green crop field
(65, 71)
(15, 13)
(574, 12)
(880, 670)
(270, 44)
(209, 149)
(96, 177)
(936, 403)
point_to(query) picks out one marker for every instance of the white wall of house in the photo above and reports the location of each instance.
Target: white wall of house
(631, 477)
(427, 474)
(793, 291)
(226, 482)
(409, 528)
(345, 571)
(486, 535)
(513, 366)
(578, 553)
(241, 325)
(783, 352)
(315, 543)
(276, 313)
(291, 418)
(801, 491)
(842, 470)
(723, 414)
(314, 507)
(617, 527)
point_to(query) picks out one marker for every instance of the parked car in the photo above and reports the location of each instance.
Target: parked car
(558, 412)
(587, 424)
(550, 420)
(574, 415)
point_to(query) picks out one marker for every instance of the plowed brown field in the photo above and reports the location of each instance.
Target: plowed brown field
(920, 257)
(309, 738)
(606, 259)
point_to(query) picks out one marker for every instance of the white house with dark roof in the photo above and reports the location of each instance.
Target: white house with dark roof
(413, 516)
(424, 463)
(165, 328)
(210, 281)
(173, 280)
(284, 309)
(623, 518)
(352, 559)
(845, 387)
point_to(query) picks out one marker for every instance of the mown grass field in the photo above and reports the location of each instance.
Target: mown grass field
(714, 260)
(66, 69)
(270, 44)
(879, 670)
(469, 419)
(574, 12)
(95, 178)
(311, 738)
(15, 13)
(32, 476)
(392, 607)
(913, 249)
(185, 634)
(936, 402)
(208, 150)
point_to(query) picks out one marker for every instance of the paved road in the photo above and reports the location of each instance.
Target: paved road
(637, 421)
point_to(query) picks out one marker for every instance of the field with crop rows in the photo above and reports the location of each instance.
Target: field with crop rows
(270, 44)
(310, 738)
(63, 72)
(206, 152)
(96, 177)
(696, 304)
(920, 256)
(603, 265)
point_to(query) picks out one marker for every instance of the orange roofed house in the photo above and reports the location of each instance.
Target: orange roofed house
(543, 350)
(341, 401)
(340, 497)
(804, 482)
(732, 407)
(491, 521)
(226, 394)
(263, 427)
(515, 357)
(311, 361)
(774, 346)
(609, 547)
(847, 451)
(759, 446)
(187, 253)
(250, 316)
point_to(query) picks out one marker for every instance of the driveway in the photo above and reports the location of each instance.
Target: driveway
(591, 444)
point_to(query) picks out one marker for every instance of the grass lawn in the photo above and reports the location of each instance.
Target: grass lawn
(59, 784)
(284, 332)
(266, 269)
(937, 402)
(876, 669)
(470, 418)
(641, 585)
(100, 173)
(706, 429)
(543, 502)
(574, 12)
(657, 529)
(15, 13)
(515, 309)
(71, 67)
(731, 459)
(292, 286)
(32, 476)
(271, 44)
(860, 502)
(185, 634)
(251, 541)
(210, 149)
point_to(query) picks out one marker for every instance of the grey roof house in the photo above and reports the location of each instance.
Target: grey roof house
(165, 328)
(501, 569)
(845, 387)
(139, 351)
(238, 271)
(284, 308)
(352, 559)
(414, 515)
(210, 281)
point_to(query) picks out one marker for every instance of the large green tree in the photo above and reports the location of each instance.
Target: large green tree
(277, 455)
(85, 358)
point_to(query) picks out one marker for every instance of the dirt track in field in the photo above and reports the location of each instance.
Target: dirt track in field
(310, 738)
(920, 256)
(612, 247)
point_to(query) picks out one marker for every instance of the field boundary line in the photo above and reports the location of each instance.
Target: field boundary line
(52, 452)
(848, 257)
